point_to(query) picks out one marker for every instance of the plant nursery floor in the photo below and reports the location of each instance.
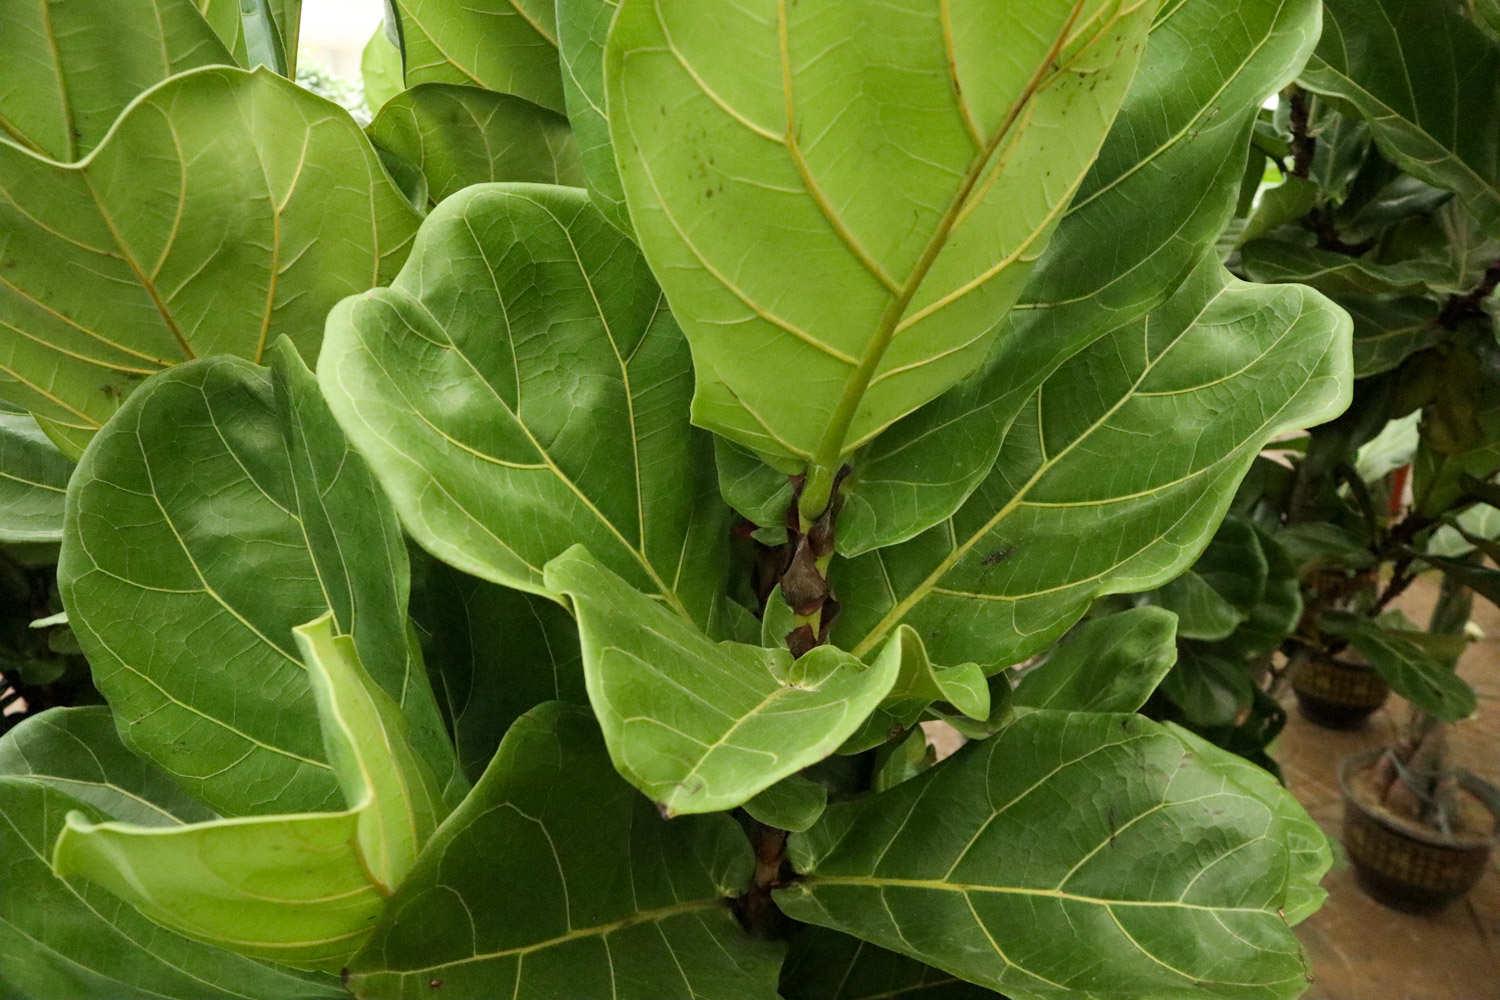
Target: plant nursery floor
(1359, 949)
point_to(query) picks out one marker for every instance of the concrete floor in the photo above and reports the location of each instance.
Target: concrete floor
(1359, 949)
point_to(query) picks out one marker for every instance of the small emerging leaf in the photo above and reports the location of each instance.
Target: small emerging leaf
(1109, 664)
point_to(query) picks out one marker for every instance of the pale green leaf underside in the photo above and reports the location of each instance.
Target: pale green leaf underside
(864, 191)
(1010, 866)
(1109, 664)
(1135, 444)
(380, 70)
(224, 209)
(215, 478)
(71, 67)
(458, 136)
(1424, 77)
(1153, 203)
(33, 482)
(701, 726)
(646, 920)
(62, 941)
(497, 456)
(508, 46)
(302, 890)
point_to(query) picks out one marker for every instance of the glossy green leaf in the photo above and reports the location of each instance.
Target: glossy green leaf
(793, 803)
(1108, 664)
(1311, 854)
(458, 136)
(905, 174)
(1411, 671)
(1160, 193)
(1276, 614)
(71, 67)
(224, 209)
(67, 941)
(1218, 593)
(493, 653)
(826, 965)
(1008, 861)
(701, 726)
(919, 683)
(213, 479)
(1274, 259)
(582, 29)
(508, 46)
(1422, 76)
(1388, 331)
(301, 890)
(33, 481)
(1209, 689)
(380, 70)
(1136, 444)
(498, 457)
(645, 919)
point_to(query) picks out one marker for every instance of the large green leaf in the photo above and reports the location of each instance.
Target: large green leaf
(77, 752)
(1222, 588)
(701, 726)
(493, 653)
(1387, 331)
(1136, 444)
(224, 209)
(825, 965)
(1009, 861)
(904, 174)
(71, 67)
(1162, 189)
(220, 508)
(33, 481)
(302, 890)
(508, 46)
(594, 895)
(1311, 854)
(497, 456)
(67, 941)
(582, 29)
(1108, 664)
(1275, 259)
(1399, 657)
(1423, 76)
(458, 136)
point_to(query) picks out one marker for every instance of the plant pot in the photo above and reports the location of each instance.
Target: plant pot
(1337, 694)
(1403, 864)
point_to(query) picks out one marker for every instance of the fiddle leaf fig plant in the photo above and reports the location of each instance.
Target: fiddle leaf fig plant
(533, 545)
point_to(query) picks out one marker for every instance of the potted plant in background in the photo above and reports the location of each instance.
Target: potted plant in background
(1391, 205)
